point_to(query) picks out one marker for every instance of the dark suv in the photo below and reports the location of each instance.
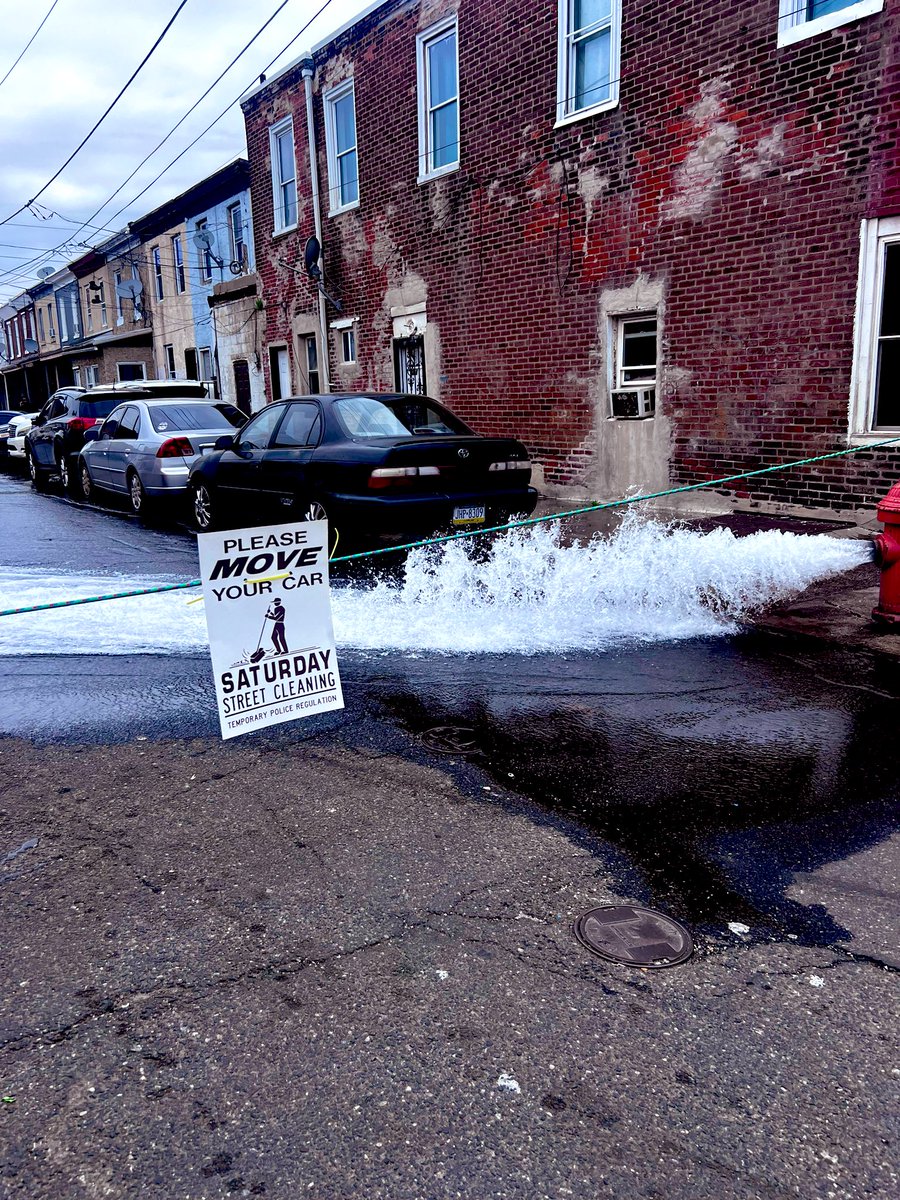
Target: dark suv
(57, 433)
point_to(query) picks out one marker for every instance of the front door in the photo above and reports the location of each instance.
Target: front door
(280, 371)
(409, 364)
(242, 385)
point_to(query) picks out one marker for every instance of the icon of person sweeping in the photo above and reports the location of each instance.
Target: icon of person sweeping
(275, 612)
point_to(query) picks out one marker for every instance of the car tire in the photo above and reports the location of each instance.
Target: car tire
(86, 484)
(69, 478)
(137, 497)
(314, 510)
(204, 510)
(37, 476)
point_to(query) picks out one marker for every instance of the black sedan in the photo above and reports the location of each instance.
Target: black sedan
(370, 463)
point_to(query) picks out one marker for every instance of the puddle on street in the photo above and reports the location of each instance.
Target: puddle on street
(719, 769)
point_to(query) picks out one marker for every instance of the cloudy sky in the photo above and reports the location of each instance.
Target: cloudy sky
(72, 71)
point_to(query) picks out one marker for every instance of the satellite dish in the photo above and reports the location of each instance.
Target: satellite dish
(44, 272)
(129, 289)
(203, 239)
(312, 252)
(31, 346)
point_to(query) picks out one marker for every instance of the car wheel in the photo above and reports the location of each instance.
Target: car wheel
(136, 494)
(67, 477)
(87, 484)
(38, 479)
(203, 508)
(315, 511)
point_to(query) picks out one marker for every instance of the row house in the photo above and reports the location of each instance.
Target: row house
(659, 243)
(139, 304)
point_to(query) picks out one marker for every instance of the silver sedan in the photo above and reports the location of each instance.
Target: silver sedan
(145, 448)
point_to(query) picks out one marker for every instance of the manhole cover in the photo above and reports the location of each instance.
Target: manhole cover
(450, 739)
(640, 937)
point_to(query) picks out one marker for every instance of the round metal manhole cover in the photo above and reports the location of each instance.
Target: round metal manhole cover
(639, 937)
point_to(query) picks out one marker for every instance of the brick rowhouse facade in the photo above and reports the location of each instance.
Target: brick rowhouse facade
(724, 193)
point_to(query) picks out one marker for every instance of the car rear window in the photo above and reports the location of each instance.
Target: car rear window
(98, 408)
(403, 416)
(182, 417)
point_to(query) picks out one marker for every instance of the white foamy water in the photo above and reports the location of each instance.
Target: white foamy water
(524, 593)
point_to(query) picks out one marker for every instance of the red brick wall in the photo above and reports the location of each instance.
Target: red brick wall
(734, 172)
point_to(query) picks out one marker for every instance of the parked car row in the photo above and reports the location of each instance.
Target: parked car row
(370, 463)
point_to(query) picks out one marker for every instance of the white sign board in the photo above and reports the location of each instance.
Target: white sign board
(268, 611)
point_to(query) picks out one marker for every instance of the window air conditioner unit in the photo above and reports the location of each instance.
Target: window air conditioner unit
(640, 402)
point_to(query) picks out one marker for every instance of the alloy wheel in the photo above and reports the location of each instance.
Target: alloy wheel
(65, 474)
(203, 507)
(315, 511)
(87, 484)
(136, 493)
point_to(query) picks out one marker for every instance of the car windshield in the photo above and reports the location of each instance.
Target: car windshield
(183, 417)
(395, 416)
(99, 408)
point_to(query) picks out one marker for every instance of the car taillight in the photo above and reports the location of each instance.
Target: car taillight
(80, 424)
(522, 465)
(386, 477)
(175, 448)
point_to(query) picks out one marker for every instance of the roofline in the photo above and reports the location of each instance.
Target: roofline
(332, 37)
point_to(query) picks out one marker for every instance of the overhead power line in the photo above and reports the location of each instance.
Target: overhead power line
(91, 133)
(28, 43)
(47, 255)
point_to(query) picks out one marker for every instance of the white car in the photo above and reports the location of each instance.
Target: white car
(17, 428)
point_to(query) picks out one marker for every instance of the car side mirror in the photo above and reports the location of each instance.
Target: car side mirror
(92, 433)
(225, 442)
(38, 420)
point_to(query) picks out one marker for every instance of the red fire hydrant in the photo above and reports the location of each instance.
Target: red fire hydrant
(887, 555)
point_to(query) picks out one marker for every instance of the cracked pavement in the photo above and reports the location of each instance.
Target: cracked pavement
(320, 969)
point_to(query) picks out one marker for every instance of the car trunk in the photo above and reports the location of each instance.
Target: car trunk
(463, 464)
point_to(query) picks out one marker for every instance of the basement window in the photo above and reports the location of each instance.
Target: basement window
(588, 74)
(875, 389)
(634, 347)
(801, 19)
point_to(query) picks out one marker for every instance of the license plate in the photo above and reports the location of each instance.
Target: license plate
(468, 516)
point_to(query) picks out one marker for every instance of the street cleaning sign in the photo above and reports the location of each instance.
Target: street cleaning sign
(268, 612)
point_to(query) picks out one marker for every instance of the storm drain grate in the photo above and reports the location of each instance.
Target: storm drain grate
(638, 937)
(450, 739)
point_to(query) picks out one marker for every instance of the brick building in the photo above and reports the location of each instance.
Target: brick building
(660, 243)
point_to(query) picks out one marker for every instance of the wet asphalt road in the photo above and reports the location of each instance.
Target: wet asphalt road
(748, 781)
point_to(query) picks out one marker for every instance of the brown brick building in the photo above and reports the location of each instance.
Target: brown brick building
(660, 243)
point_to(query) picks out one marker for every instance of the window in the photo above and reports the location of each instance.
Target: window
(178, 260)
(300, 427)
(76, 376)
(101, 297)
(438, 100)
(256, 433)
(157, 273)
(310, 355)
(236, 233)
(120, 312)
(284, 175)
(875, 389)
(348, 345)
(91, 376)
(799, 19)
(203, 252)
(50, 319)
(88, 309)
(129, 423)
(169, 355)
(126, 372)
(40, 317)
(206, 367)
(340, 141)
(589, 34)
(634, 365)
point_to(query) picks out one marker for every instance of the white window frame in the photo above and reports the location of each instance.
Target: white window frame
(178, 263)
(875, 235)
(158, 273)
(565, 97)
(275, 132)
(169, 361)
(433, 34)
(238, 248)
(620, 320)
(104, 316)
(795, 26)
(91, 376)
(204, 258)
(204, 355)
(40, 320)
(51, 324)
(329, 100)
(120, 365)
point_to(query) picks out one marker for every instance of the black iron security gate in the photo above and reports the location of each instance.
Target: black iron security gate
(409, 364)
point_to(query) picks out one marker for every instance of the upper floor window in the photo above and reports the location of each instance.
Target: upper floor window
(799, 19)
(875, 398)
(178, 260)
(438, 79)
(284, 175)
(40, 319)
(101, 295)
(203, 251)
(589, 35)
(340, 141)
(157, 273)
(89, 312)
(236, 233)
